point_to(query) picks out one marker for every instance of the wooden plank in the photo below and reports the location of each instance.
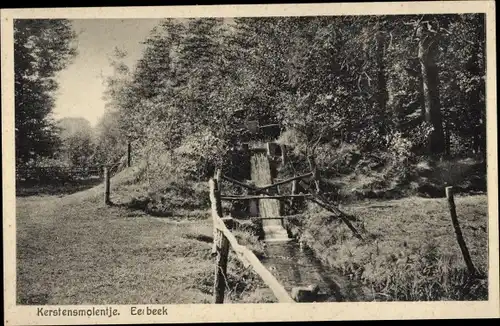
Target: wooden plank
(249, 259)
(262, 197)
(246, 256)
(458, 232)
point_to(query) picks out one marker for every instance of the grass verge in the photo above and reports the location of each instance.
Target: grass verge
(76, 250)
(410, 252)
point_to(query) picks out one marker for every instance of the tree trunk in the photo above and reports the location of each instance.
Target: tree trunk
(447, 139)
(382, 94)
(427, 52)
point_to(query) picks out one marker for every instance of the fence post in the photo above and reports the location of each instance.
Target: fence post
(222, 246)
(294, 187)
(106, 186)
(283, 154)
(217, 187)
(216, 206)
(458, 232)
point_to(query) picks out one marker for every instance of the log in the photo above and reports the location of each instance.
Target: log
(220, 283)
(458, 232)
(248, 258)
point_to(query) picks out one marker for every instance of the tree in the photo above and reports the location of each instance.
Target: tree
(463, 84)
(372, 81)
(428, 47)
(42, 47)
(77, 140)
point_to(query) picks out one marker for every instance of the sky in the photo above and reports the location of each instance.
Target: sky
(81, 87)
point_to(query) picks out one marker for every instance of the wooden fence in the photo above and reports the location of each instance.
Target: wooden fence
(224, 239)
(313, 195)
(57, 173)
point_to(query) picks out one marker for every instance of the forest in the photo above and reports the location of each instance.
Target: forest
(392, 88)
(349, 93)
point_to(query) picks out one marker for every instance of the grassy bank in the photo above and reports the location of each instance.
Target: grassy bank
(75, 250)
(410, 251)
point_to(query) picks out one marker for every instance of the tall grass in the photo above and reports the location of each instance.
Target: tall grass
(410, 252)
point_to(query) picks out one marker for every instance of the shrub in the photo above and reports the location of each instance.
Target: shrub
(200, 153)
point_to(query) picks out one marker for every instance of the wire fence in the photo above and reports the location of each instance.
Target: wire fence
(55, 174)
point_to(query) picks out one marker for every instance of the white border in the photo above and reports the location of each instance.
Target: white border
(26, 315)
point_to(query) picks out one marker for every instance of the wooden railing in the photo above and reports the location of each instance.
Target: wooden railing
(312, 195)
(223, 239)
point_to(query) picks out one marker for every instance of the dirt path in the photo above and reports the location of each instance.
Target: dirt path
(75, 250)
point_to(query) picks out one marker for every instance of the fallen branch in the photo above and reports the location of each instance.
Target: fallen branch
(316, 199)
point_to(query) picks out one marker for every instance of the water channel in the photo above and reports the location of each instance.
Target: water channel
(291, 264)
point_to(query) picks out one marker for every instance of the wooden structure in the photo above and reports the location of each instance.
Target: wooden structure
(458, 232)
(313, 195)
(107, 187)
(224, 239)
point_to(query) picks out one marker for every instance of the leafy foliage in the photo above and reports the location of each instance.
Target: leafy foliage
(77, 141)
(363, 80)
(42, 47)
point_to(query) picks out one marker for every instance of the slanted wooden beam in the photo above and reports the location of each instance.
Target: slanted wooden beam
(315, 198)
(239, 183)
(248, 258)
(223, 238)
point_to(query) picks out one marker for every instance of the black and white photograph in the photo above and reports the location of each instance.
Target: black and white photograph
(315, 159)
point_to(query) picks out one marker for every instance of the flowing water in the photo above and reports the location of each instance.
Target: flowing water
(294, 266)
(290, 263)
(261, 175)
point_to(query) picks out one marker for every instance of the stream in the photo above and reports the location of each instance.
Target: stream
(292, 265)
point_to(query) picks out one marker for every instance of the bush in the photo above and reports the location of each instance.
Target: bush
(200, 154)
